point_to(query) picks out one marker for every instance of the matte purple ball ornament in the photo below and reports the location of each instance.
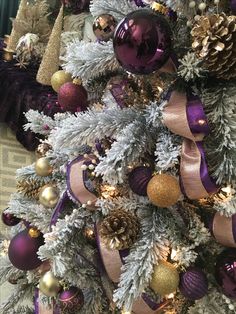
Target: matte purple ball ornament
(9, 219)
(23, 250)
(225, 272)
(142, 42)
(233, 6)
(71, 300)
(193, 284)
(139, 178)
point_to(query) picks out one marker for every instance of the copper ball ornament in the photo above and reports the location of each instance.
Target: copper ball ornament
(104, 27)
(59, 78)
(165, 278)
(49, 285)
(49, 196)
(71, 300)
(163, 190)
(43, 167)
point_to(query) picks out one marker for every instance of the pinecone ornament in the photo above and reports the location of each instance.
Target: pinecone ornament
(120, 229)
(30, 188)
(214, 41)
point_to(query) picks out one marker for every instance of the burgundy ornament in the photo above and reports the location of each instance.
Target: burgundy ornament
(10, 220)
(71, 300)
(23, 250)
(142, 42)
(139, 178)
(233, 6)
(73, 97)
(193, 284)
(225, 272)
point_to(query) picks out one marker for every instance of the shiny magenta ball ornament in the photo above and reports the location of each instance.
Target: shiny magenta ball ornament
(23, 250)
(142, 42)
(225, 272)
(10, 220)
(71, 300)
(73, 97)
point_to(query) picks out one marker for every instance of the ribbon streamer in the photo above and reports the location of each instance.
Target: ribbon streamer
(224, 231)
(40, 309)
(185, 116)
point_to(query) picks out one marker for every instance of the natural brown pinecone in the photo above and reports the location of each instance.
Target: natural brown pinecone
(120, 229)
(30, 188)
(214, 41)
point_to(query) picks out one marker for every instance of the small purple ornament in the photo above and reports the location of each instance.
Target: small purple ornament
(138, 180)
(233, 6)
(139, 3)
(71, 300)
(10, 220)
(142, 42)
(193, 284)
(225, 272)
(77, 6)
(23, 250)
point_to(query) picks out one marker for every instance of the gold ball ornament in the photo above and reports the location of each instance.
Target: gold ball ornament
(49, 285)
(59, 78)
(34, 232)
(163, 190)
(49, 196)
(43, 167)
(165, 278)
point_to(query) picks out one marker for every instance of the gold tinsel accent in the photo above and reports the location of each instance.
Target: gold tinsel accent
(30, 188)
(214, 41)
(120, 229)
(50, 61)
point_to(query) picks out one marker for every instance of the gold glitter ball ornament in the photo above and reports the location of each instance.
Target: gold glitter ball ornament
(34, 232)
(49, 285)
(165, 278)
(59, 78)
(49, 196)
(104, 27)
(214, 41)
(163, 190)
(43, 167)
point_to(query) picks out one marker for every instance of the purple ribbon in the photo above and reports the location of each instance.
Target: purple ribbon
(59, 208)
(36, 301)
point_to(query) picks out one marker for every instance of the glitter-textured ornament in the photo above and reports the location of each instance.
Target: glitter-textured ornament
(71, 300)
(43, 167)
(72, 97)
(165, 278)
(142, 42)
(59, 78)
(225, 272)
(49, 196)
(139, 178)
(42, 149)
(49, 285)
(23, 250)
(104, 27)
(214, 41)
(163, 190)
(120, 229)
(193, 284)
(9, 219)
(30, 188)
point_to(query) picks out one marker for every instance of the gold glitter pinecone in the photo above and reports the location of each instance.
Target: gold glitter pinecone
(30, 188)
(120, 229)
(214, 41)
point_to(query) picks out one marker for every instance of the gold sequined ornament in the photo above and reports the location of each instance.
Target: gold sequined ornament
(120, 229)
(163, 190)
(104, 27)
(49, 285)
(59, 78)
(43, 167)
(165, 278)
(214, 41)
(49, 196)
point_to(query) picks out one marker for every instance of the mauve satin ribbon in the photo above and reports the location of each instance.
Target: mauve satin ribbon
(40, 309)
(223, 230)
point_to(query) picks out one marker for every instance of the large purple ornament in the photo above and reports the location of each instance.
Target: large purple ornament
(10, 220)
(142, 42)
(138, 180)
(71, 300)
(233, 6)
(193, 284)
(225, 272)
(23, 250)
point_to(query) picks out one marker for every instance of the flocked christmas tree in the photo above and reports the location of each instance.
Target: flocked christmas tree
(130, 206)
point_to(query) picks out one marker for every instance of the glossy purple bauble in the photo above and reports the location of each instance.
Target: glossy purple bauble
(23, 250)
(225, 272)
(142, 42)
(138, 180)
(72, 97)
(10, 220)
(193, 284)
(139, 3)
(233, 6)
(71, 300)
